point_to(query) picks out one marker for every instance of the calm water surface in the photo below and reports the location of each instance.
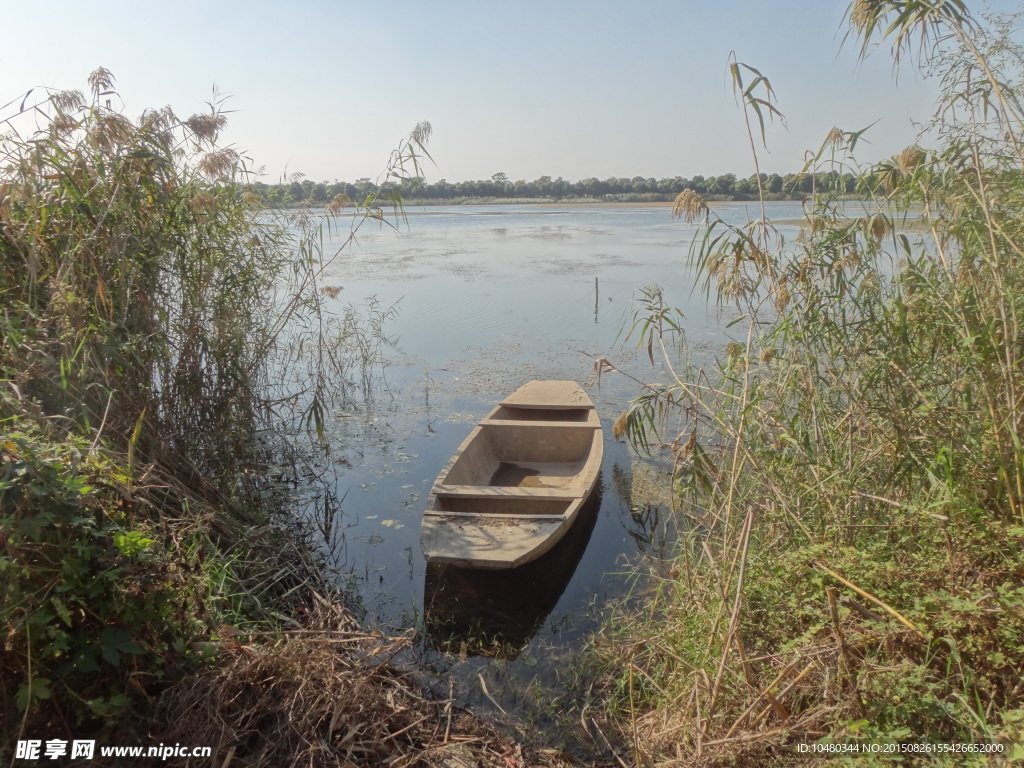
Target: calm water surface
(487, 298)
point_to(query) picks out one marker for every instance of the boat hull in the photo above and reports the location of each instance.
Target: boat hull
(518, 481)
(496, 612)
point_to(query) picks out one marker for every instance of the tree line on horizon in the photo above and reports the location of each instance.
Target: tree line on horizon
(791, 186)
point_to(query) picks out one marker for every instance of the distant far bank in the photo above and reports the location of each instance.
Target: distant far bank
(409, 205)
(607, 200)
(499, 190)
(581, 202)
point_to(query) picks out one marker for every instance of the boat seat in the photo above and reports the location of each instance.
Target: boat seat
(483, 517)
(549, 394)
(546, 424)
(499, 491)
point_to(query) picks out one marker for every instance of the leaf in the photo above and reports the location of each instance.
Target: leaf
(134, 441)
(114, 642)
(315, 416)
(36, 689)
(62, 610)
(132, 543)
(108, 707)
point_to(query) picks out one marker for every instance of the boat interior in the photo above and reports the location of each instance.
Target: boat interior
(517, 481)
(536, 456)
(518, 413)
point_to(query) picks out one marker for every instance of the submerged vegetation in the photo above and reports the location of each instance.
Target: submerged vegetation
(852, 471)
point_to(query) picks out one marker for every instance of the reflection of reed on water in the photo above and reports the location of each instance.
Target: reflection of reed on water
(496, 613)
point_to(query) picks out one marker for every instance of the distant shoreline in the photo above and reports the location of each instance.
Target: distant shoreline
(711, 200)
(410, 208)
(566, 204)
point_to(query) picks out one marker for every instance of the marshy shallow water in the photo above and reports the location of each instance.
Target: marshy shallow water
(486, 299)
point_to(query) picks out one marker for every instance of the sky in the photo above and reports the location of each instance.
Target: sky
(528, 88)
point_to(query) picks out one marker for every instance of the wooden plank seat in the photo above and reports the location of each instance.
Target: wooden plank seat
(549, 394)
(503, 491)
(487, 516)
(540, 424)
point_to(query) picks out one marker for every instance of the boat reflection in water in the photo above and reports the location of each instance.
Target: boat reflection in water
(495, 613)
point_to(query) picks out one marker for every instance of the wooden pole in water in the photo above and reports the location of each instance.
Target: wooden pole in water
(595, 299)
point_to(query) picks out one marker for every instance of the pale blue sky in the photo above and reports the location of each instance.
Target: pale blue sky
(564, 88)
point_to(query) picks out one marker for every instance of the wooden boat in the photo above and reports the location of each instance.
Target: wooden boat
(517, 483)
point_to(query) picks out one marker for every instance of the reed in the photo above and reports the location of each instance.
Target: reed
(153, 321)
(851, 470)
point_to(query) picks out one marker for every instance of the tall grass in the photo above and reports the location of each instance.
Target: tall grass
(152, 318)
(852, 469)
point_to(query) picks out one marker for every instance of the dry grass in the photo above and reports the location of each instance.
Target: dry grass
(325, 695)
(748, 708)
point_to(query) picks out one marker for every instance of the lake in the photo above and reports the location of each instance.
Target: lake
(487, 298)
